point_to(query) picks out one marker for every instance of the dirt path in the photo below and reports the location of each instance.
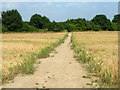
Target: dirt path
(60, 70)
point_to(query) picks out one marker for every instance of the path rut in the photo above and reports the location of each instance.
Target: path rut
(61, 70)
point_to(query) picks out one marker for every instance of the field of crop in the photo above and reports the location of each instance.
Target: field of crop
(99, 50)
(20, 50)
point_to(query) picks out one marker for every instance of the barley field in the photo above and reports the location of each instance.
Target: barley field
(99, 50)
(20, 50)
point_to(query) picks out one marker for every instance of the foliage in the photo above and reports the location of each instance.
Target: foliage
(27, 28)
(102, 21)
(116, 19)
(0, 20)
(12, 20)
(0, 27)
(56, 27)
(115, 27)
(4, 29)
(97, 28)
(45, 22)
(69, 27)
(116, 22)
(38, 21)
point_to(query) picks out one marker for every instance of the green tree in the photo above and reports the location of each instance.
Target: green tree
(4, 29)
(27, 28)
(96, 28)
(52, 26)
(78, 27)
(12, 20)
(88, 25)
(114, 26)
(69, 27)
(39, 22)
(0, 20)
(36, 21)
(118, 28)
(60, 26)
(102, 21)
(45, 22)
(116, 19)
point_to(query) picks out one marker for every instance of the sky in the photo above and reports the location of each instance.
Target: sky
(61, 11)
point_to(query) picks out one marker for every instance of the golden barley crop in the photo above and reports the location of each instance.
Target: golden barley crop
(16, 46)
(104, 48)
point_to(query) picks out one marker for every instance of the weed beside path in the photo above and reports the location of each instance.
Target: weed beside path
(23, 62)
(99, 51)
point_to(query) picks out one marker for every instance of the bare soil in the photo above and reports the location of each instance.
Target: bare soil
(60, 70)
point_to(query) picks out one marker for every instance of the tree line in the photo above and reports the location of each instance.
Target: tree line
(12, 22)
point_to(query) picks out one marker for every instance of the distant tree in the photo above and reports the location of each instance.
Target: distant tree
(39, 22)
(84, 28)
(118, 28)
(88, 25)
(27, 28)
(78, 27)
(36, 21)
(0, 20)
(79, 24)
(52, 26)
(116, 19)
(45, 22)
(61, 26)
(96, 28)
(114, 26)
(0, 25)
(102, 21)
(69, 27)
(12, 20)
(4, 29)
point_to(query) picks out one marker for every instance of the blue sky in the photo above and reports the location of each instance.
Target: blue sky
(61, 11)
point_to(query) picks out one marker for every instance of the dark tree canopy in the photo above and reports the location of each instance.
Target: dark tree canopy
(36, 21)
(116, 19)
(69, 27)
(102, 21)
(12, 20)
(0, 20)
(45, 22)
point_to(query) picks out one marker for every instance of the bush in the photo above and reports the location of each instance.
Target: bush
(0, 27)
(39, 22)
(36, 21)
(12, 20)
(4, 29)
(96, 28)
(102, 21)
(27, 28)
(114, 26)
(116, 19)
(69, 27)
(118, 28)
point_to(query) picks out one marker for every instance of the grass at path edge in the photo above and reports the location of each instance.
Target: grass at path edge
(27, 66)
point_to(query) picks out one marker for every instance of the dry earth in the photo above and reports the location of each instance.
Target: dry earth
(60, 70)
